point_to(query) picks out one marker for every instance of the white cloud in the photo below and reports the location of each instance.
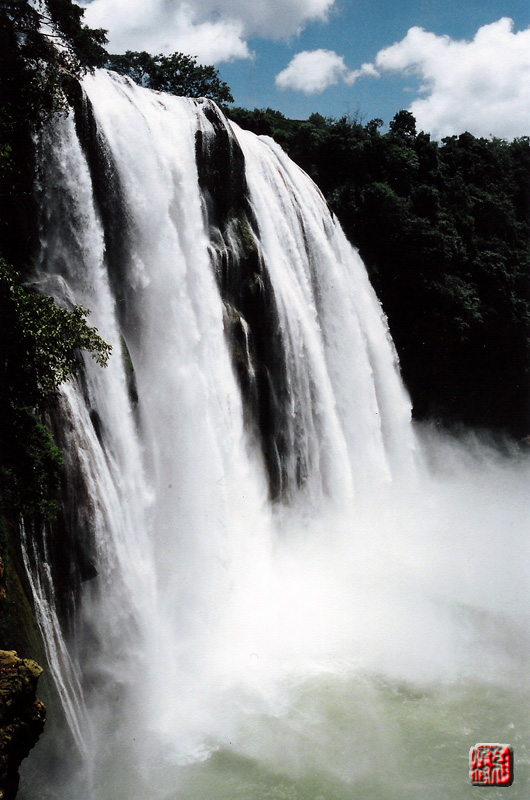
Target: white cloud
(271, 18)
(367, 70)
(213, 30)
(313, 71)
(482, 85)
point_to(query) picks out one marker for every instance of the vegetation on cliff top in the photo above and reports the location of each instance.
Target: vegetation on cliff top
(44, 46)
(175, 74)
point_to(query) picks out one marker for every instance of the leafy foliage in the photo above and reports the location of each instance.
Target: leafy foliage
(177, 74)
(39, 350)
(30, 465)
(444, 230)
(403, 124)
(43, 46)
(42, 341)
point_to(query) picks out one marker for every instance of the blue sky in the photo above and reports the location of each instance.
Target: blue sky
(457, 64)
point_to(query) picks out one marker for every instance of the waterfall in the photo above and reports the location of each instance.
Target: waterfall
(229, 473)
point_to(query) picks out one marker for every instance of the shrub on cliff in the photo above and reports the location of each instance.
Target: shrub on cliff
(39, 349)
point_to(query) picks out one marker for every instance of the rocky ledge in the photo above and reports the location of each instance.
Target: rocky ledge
(22, 717)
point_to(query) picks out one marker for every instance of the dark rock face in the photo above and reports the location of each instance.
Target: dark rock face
(22, 717)
(108, 196)
(252, 323)
(3, 588)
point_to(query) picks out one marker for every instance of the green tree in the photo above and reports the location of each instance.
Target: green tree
(177, 74)
(44, 49)
(39, 349)
(403, 124)
(43, 46)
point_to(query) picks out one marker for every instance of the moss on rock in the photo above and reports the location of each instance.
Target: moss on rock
(22, 717)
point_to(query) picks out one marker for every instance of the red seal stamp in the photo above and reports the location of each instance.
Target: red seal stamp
(491, 764)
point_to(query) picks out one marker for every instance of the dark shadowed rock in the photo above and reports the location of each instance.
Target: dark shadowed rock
(22, 717)
(3, 589)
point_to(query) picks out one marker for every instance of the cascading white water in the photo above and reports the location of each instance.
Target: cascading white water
(231, 646)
